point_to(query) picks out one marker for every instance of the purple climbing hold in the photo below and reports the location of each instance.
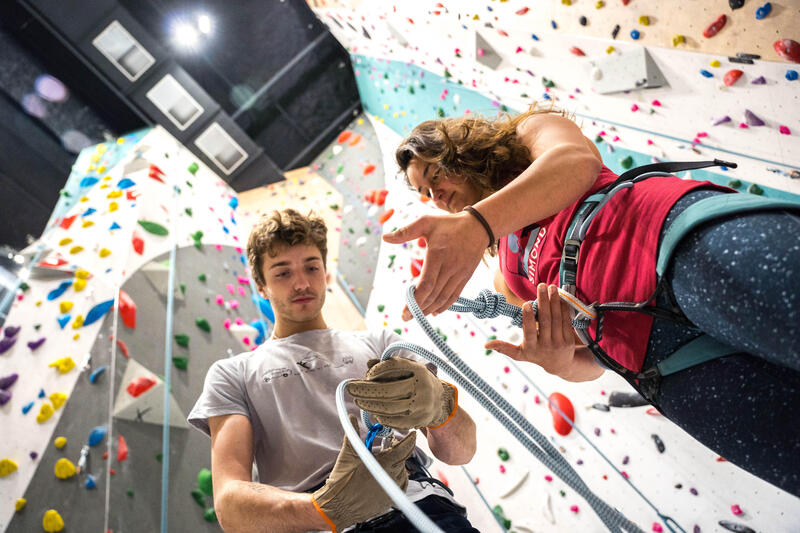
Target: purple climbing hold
(11, 331)
(625, 460)
(7, 381)
(752, 119)
(5, 396)
(696, 529)
(35, 344)
(761, 80)
(6, 343)
(721, 120)
(27, 407)
(693, 491)
(33, 455)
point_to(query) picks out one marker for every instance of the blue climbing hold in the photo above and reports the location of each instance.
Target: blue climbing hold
(88, 181)
(635, 34)
(89, 212)
(763, 11)
(27, 407)
(261, 330)
(58, 291)
(126, 183)
(706, 73)
(98, 311)
(234, 203)
(41, 393)
(534, 37)
(115, 226)
(90, 482)
(97, 435)
(63, 320)
(553, 24)
(791, 75)
(96, 374)
(546, 96)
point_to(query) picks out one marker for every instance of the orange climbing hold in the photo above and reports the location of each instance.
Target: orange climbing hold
(355, 140)
(715, 26)
(369, 169)
(344, 136)
(67, 221)
(386, 216)
(561, 426)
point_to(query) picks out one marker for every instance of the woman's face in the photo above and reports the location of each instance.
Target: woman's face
(448, 194)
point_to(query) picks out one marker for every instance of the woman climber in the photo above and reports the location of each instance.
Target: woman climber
(733, 280)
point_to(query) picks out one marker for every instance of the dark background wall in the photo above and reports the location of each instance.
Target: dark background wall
(268, 70)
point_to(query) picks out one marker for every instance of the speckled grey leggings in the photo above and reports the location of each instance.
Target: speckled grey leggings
(738, 280)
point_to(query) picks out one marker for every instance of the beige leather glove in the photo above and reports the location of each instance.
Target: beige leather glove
(404, 394)
(351, 494)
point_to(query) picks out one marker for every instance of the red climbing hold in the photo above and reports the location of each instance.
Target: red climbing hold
(386, 216)
(577, 51)
(788, 49)
(122, 449)
(626, 2)
(416, 267)
(127, 309)
(381, 198)
(715, 26)
(156, 173)
(67, 221)
(140, 385)
(355, 140)
(124, 349)
(421, 242)
(561, 426)
(369, 169)
(732, 76)
(522, 11)
(344, 136)
(138, 244)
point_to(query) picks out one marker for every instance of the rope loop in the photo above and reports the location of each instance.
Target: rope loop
(489, 304)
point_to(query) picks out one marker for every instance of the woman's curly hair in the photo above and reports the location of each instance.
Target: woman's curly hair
(484, 153)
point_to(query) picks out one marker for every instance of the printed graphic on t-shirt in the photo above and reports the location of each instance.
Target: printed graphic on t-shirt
(525, 250)
(311, 362)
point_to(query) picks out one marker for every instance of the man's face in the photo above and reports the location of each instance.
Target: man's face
(451, 195)
(295, 282)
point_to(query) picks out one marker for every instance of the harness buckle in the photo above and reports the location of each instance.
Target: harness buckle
(569, 261)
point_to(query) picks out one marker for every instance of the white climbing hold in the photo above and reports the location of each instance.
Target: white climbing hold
(515, 485)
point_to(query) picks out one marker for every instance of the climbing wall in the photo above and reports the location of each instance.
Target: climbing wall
(91, 353)
(655, 88)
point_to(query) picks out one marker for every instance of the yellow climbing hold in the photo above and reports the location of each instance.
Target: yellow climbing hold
(566, 2)
(76, 336)
(45, 412)
(678, 39)
(104, 185)
(7, 466)
(599, 4)
(79, 285)
(78, 322)
(64, 241)
(476, 17)
(101, 169)
(113, 206)
(38, 303)
(65, 364)
(76, 249)
(64, 468)
(84, 199)
(106, 178)
(87, 223)
(715, 63)
(58, 399)
(644, 20)
(610, 49)
(386, 106)
(64, 307)
(120, 140)
(105, 252)
(52, 521)
(20, 505)
(82, 274)
(60, 442)
(360, 122)
(114, 194)
(95, 158)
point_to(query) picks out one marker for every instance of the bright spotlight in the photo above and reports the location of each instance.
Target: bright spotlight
(185, 35)
(204, 24)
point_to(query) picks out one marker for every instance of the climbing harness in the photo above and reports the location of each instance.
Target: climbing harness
(699, 350)
(487, 305)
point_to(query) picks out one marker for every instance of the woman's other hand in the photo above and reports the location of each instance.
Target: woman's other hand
(552, 344)
(455, 246)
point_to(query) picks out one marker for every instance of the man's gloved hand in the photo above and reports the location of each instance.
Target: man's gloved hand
(404, 394)
(351, 494)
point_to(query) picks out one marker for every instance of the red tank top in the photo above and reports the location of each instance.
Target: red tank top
(617, 261)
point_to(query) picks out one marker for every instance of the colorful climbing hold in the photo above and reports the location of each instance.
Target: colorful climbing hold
(503, 454)
(678, 39)
(20, 504)
(60, 442)
(58, 399)
(127, 310)
(209, 515)
(182, 339)
(791, 75)
(153, 227)
(138, 244)
(752, 119)
(635, 34)
(204, 481)
(7, 466)
(181, 362)
(203, 324)
(140, 385)
(98, 311)
(558, 400)
(91, 482)
(715, 27)
(63, 365)
(626, 162)
(96, 374)
(52, 521)
(732, 76)
(97, 435)
(64, 468)
(788, 49)
(122, 449)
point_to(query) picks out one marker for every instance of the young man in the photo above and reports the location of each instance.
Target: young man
(275, 406)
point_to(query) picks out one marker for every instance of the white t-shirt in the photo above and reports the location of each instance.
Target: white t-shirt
(286, 387)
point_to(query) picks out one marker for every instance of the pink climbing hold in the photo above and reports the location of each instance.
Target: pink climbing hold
(234, 304)
(634, 108)
(788, 49)
(562, 426)
(220, 300)
(548, 478)
(239, 321)
(502, 469)
(735, 509)
(229, 286)
(657, 527)
(573, 508)
(227, 323)
(655, 103)
(784, 130)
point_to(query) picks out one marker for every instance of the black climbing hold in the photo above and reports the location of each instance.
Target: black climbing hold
(736, 4)
(659, 443)
(601, 407)
(626, 399)
(742, 60)
(742, 55)
(735, 526)
(615, 31)
(583, 21)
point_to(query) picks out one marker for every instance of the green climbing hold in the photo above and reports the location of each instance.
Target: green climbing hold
(410, 89)
(548, 83)
(398, 331)
(447, 74)
(189, 183)
(204, 481)
(130, 492)
(199, 497)
(339, 169)
(159, 456)
(210, 515)
(391, 260)
(189, 211)
(524, 95)
(504, 108)
(501, 517)
(503, 454)
(734, 184)
(334, 207)
(202, 277)
(442, 335)
(203, 324)
(153, 227)
(626, 162)
(182, 287)
(755, 189)
(563, 494)
(197, 237)
(598, 139)
(193, 168)
(180, 362)
(440, 112)
(24, 286)
(182, 339)
(381, 307)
